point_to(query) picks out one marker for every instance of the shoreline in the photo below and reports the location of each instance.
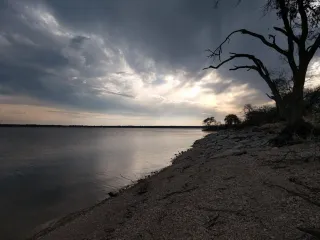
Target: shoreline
(54, 224)
(228, 185)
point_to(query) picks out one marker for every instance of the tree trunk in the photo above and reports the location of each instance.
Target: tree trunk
(293, 108)
(281, 108)
(296, 103)
(295, 121)
(295, 113)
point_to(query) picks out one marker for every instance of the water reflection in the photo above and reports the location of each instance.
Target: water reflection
(46, 173)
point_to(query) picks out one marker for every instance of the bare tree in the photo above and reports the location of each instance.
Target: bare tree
(301, 27)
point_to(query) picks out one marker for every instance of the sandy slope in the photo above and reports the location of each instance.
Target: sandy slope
(230, 185)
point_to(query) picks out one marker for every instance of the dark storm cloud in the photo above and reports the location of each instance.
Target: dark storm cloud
(89, 54)
(175, 33)
(77, 41)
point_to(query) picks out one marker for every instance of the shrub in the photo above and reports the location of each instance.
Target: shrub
(232, 119)
(260, 115)
(209, 121)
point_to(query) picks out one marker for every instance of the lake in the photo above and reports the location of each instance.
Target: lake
(46, 173)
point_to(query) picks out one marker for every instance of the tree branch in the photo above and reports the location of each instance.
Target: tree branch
(273, 37)
(303, 54)
(283, 31)
(221, 63)
(258, 62)
(218, 51)
(289, 54)
(265, 41)
(284, 15)
(271, 97)
(252, 67)
(304, 22)
(259, 66)
(314, 47)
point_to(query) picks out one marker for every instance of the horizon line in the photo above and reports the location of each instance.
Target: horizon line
(98, 126)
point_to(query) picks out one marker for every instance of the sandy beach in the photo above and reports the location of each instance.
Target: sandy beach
(229, 185)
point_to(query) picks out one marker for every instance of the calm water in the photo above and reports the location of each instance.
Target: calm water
(46, 173)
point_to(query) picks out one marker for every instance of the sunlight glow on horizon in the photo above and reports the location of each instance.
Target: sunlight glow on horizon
(101, 69)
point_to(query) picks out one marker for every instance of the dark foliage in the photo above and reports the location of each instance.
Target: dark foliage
(232, 119)
(260, 115)
(256, 116)
(209, 121)
(223, 127)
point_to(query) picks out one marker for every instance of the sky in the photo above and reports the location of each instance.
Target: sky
(127, 62)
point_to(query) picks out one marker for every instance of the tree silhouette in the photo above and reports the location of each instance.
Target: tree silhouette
(209, 121)
(232, 119)
(247, 108)
(301, 28)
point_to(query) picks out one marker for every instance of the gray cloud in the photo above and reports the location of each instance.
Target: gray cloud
(100, 55)
(77, 41)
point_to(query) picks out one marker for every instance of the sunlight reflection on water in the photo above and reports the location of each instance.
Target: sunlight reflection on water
(46, 173)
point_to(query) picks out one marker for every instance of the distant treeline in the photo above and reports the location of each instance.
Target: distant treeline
(259, 115)
(88, 126)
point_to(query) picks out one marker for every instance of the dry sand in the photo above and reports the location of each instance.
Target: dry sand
(229, 185)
